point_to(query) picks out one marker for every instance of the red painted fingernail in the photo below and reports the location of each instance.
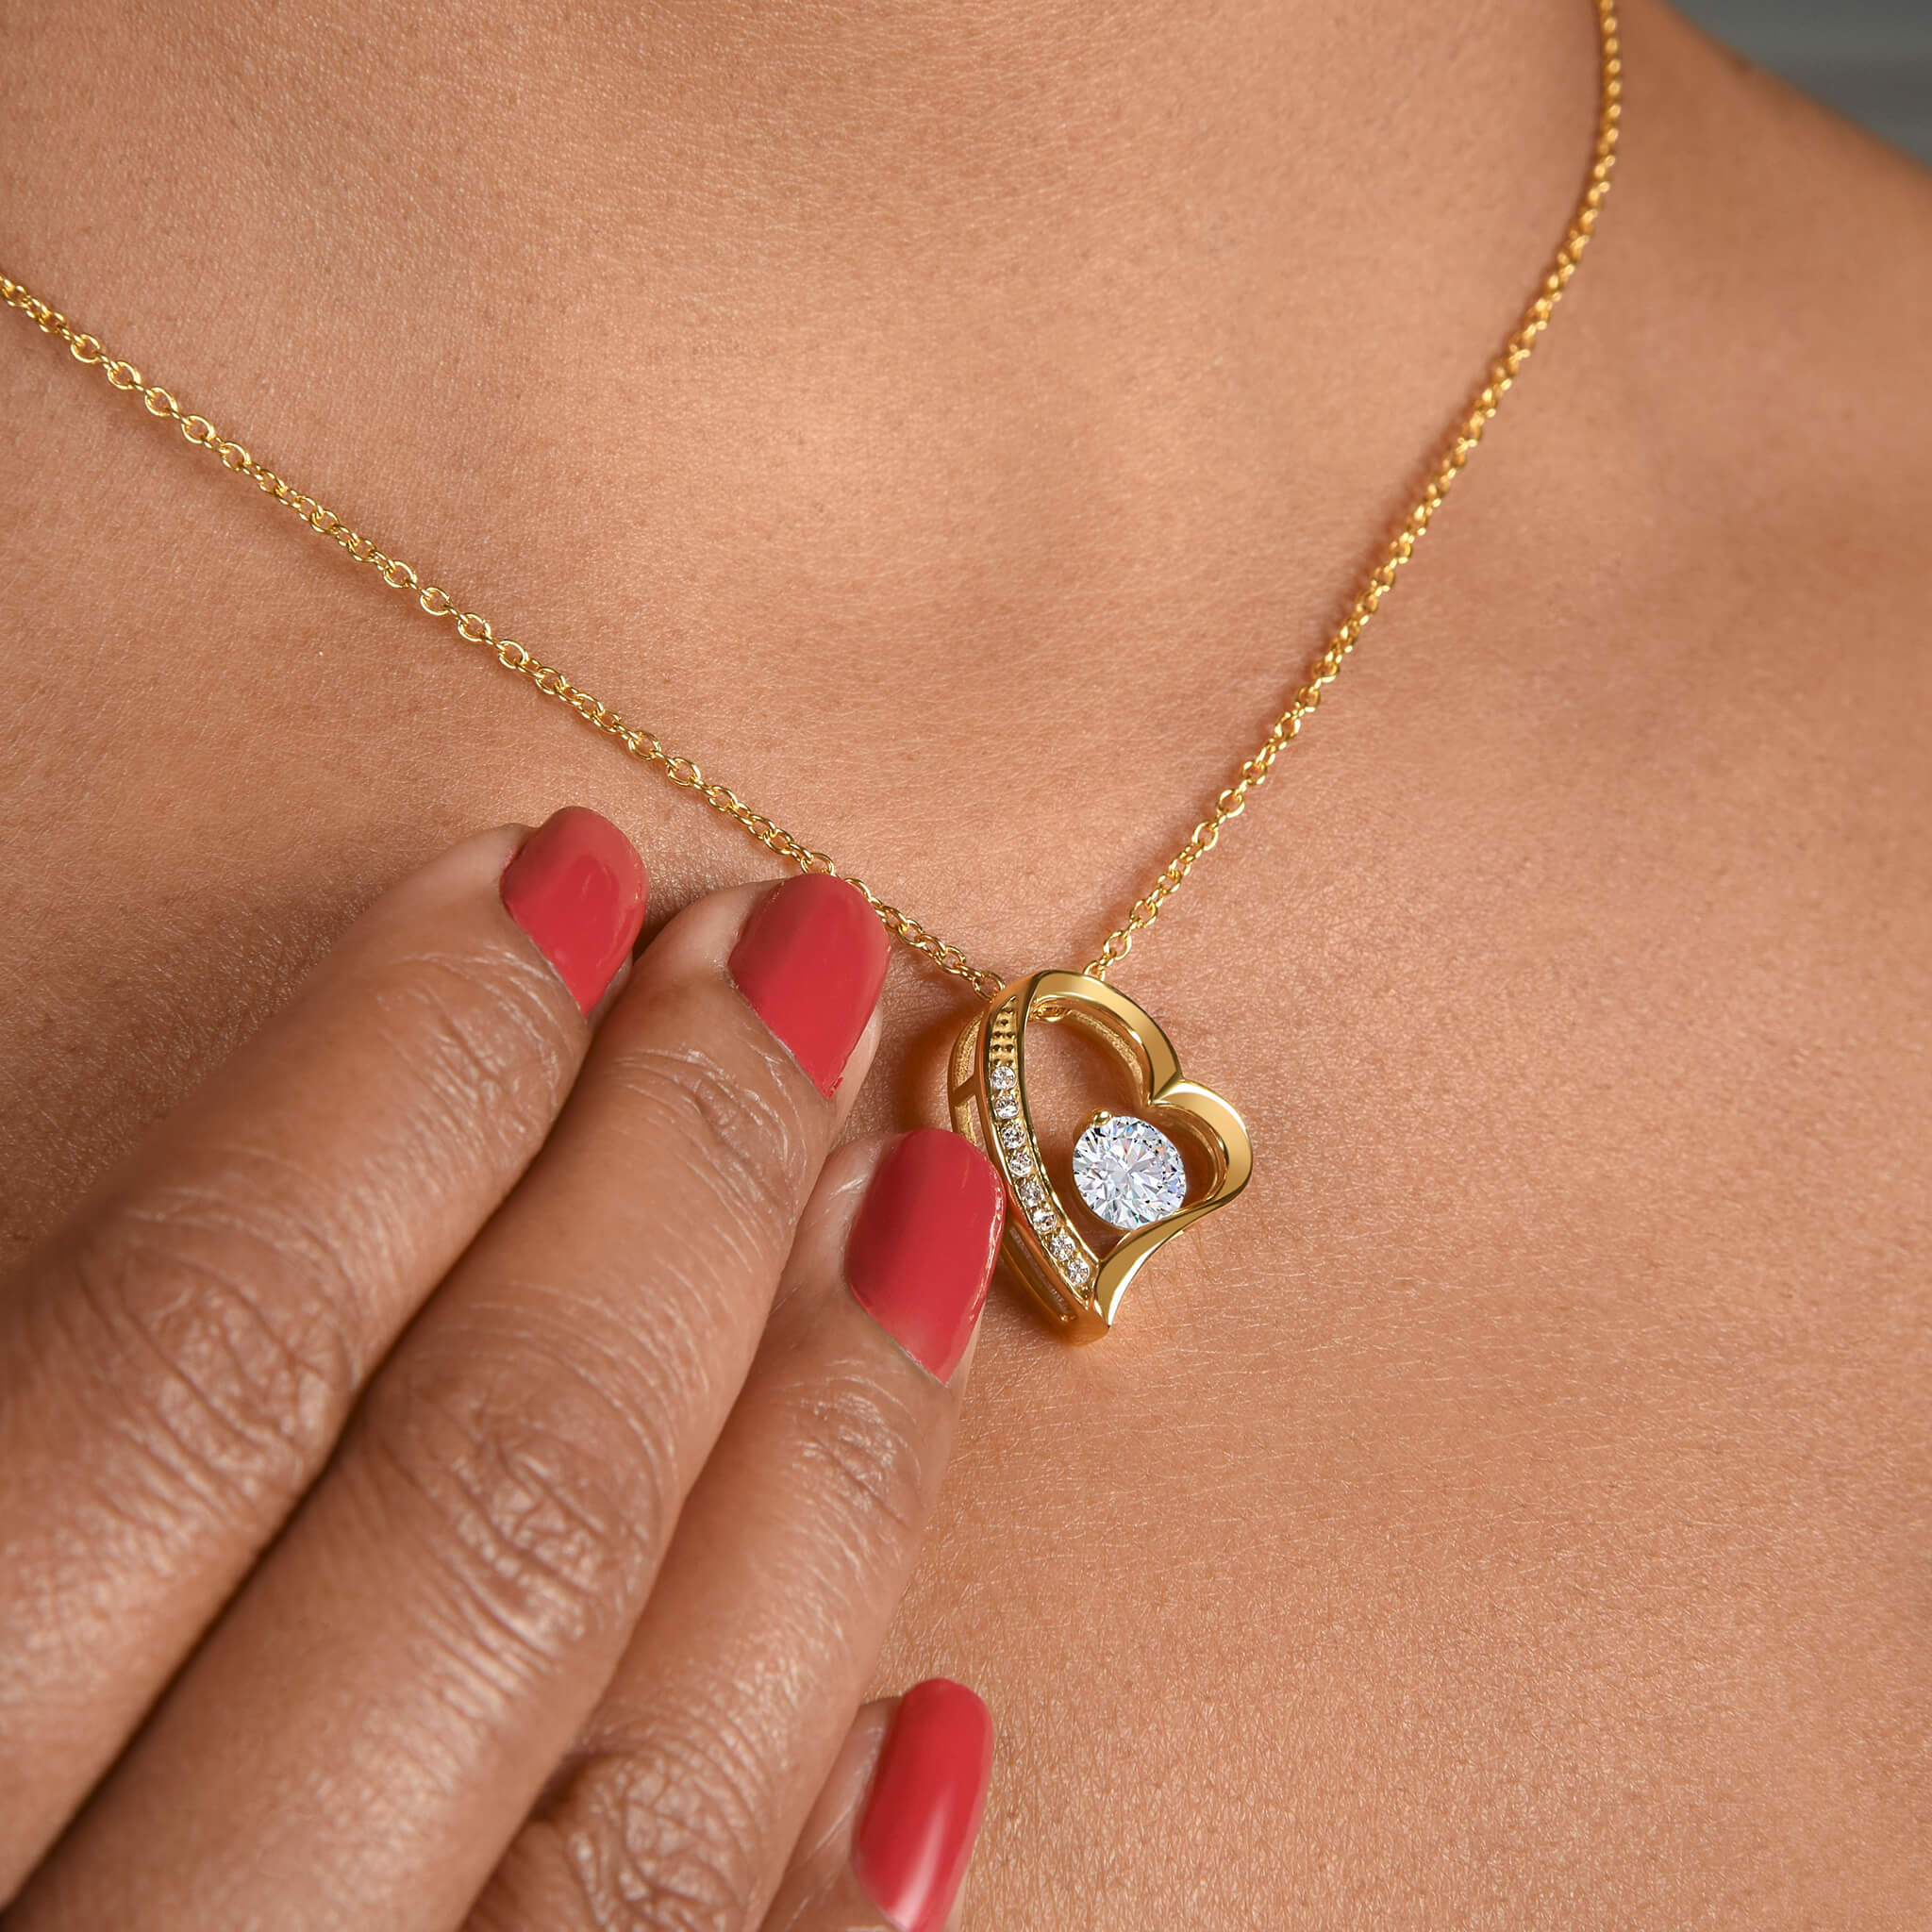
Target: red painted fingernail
(578, 886)
(926, 1798)
(921, 1251)
(811, 959)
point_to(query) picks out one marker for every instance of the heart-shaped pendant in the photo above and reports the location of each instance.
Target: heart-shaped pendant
(1127, 1169)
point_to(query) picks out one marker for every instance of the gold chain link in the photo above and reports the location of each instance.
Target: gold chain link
(648, 749)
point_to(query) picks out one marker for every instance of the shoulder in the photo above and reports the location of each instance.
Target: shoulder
(1760, 395)
(1777, 320)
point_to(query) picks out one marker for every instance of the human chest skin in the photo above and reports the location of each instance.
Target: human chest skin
(1512, 1510)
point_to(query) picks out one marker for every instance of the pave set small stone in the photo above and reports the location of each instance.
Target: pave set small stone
(1015, 1148)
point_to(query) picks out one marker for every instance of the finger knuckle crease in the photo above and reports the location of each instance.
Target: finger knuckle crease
(667, 1838)
(477, 1037)
(750, 1139)
(231, 1357)
(538, 1511)
(870, 1454)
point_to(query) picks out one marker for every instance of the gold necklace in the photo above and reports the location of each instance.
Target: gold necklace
(1128, 1173)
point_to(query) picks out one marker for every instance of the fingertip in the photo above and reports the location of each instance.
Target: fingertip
(921, 1253)
(922, 1818)
(811, 960)
(578, 888)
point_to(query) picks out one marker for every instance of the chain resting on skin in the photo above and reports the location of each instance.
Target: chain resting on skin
(646, 746)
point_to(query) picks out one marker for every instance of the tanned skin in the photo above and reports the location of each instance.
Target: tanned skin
(1513, 1512)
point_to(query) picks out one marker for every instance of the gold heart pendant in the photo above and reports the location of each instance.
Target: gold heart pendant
(1127, 1169)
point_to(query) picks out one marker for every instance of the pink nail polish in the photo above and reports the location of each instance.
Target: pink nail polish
(922, 1250)
(577, 888)
(928, 1794)
(811, 960)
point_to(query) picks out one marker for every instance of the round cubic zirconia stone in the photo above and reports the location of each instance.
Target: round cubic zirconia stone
(1006, 1107)
(1129, 1173)
(1032, 1193)
(1062, 1246)
(1013, 1134)
(1077, 1270)
(1020, 1165)
(1002, 1076)
(1043, 1216)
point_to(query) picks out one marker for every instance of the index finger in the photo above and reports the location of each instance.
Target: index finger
(178, 1359)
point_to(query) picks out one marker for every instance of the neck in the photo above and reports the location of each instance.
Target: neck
(1295, 179)
(822, 340)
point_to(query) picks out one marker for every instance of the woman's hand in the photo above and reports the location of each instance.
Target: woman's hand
(460, 1469)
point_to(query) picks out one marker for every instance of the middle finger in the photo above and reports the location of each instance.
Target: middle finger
(386, 1697)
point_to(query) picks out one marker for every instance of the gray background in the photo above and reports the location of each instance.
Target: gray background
(1869, 59)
